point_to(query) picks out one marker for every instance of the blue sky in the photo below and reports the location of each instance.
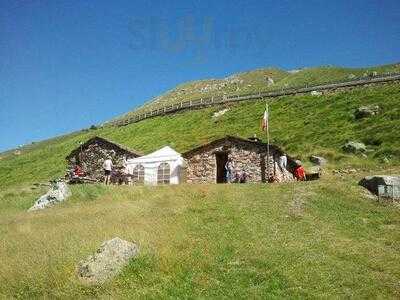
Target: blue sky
(65, 65)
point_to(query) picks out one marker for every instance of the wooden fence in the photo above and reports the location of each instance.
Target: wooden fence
(217, 100)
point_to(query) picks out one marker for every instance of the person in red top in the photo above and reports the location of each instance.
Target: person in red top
(78, 171)
(299, 172)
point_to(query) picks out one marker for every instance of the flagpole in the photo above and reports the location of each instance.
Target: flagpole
(267, 133)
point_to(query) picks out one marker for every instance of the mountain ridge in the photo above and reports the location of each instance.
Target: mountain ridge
(260, 79)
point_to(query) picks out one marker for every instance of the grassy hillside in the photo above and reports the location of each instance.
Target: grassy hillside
(316, 239)
(302, 125)
(257, 80)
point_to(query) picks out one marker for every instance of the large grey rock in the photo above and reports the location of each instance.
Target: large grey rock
(316, 93)
(220, 113)
(58, 192)
(107, 261)
(270, 81)
(318, 160)
(382, 185)
(366, 111)
(354, 147)
(313, 173)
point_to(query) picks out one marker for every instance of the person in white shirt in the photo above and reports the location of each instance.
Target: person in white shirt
(283, 162)
(125, 171)
(107, 166)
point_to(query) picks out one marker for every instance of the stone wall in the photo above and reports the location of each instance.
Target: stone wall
(91, 157)
(247, 156)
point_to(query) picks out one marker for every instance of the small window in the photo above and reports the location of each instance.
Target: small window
(163, 174)
(138, 174)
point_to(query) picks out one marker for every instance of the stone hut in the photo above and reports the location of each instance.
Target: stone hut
(206, 164)
(91, 155)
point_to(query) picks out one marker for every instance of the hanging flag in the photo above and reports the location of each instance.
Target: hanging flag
(264, 121)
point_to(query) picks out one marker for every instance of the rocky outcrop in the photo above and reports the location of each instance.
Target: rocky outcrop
(382, 185)
(313, 173)
(366, 111)
(107, 261)
(58, 192)
(318, 160)
(270, 81)
(354, 147)
(220, 113)
(316, 93)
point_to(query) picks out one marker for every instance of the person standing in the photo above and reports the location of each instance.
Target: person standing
(107, 166)
(283, 162)
(127, 179)
(229, 167)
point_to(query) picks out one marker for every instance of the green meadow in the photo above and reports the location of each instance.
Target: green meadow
(321, 239)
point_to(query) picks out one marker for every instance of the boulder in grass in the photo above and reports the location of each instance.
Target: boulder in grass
(318, 160)
(107, 261)
(270, 81)
(366, 111)
(58, 192)
(354, 147)
(313, 173)
(220, 113)
(382, 185)
(316, 93)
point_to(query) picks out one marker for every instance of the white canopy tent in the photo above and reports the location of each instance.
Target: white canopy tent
(162, 166)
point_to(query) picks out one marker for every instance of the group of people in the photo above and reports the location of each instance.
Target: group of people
(76, 174)
(232, 175)
(112, 173)
(120, 174)
(298, 171)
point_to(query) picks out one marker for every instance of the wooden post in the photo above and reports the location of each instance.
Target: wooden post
(268, 168)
